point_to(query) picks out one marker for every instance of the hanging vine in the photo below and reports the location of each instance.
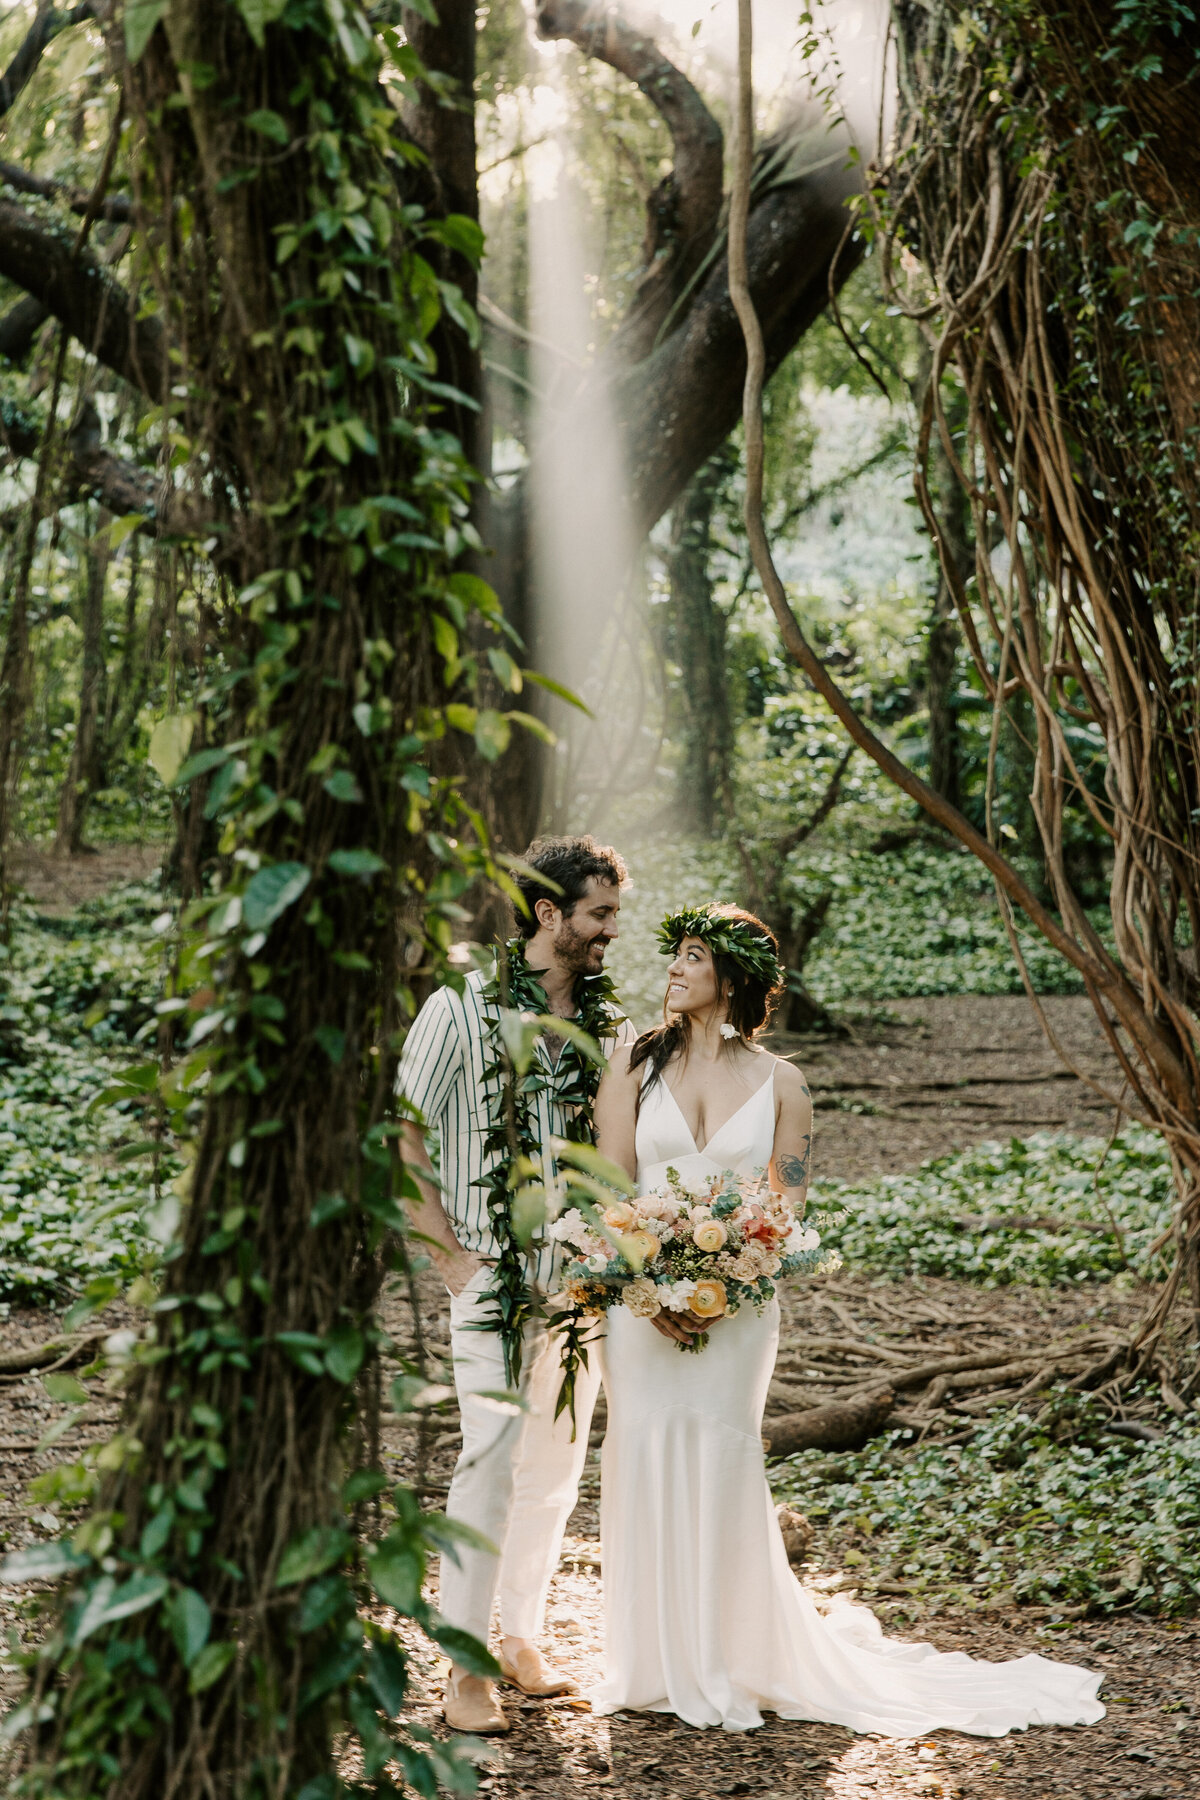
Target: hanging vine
(1041, 222)
(1029, 220)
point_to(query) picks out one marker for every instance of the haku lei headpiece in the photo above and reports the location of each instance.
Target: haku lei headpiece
(725, 936)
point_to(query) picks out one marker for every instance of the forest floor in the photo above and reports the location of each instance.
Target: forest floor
(931, 1076)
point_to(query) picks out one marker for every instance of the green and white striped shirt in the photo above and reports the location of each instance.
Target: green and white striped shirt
(440, 1081)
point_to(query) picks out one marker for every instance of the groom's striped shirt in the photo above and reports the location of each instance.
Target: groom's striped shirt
(441, 1083)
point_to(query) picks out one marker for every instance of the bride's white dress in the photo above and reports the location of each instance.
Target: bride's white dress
(703, 1615)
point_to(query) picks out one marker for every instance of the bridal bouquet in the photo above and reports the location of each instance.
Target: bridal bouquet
(707, 1251)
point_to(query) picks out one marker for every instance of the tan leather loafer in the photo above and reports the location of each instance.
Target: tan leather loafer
(471, 1705)
(530, 1672)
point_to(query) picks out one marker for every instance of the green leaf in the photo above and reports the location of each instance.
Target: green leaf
(66, 1389)
(356, 862)
(556, 687)
(333, 1043)
(269, 124)
(474, 592)
(258, 14)
(169, 745)
(448, 1534)
(589, 1159)
(201, 763)
(271, 892)
(387, 1673)
(190, 1622)
(107, 1603)
(396, 1570)
(458, 232)
(462, 1648)
(461, 717)
(537, 727)
(119, 529)
(341, 785)
(141, 16)
(311, 1554)
(210, 1665)
(327, 1206)
(344, 1354)
(492, 732)
(41, 1562)
(505, 670)
(574, 1034)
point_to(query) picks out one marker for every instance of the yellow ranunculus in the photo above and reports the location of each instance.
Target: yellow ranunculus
(709, 1235)
(618, 1217)
(646, 1243)
(638, 1247)
(708, 1301)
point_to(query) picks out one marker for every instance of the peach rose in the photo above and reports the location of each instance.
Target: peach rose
(708, 1301)
(619, 1216)
(709, 1235)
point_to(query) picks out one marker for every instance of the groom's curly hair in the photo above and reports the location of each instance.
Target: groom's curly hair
(565, 865)
(751, 996)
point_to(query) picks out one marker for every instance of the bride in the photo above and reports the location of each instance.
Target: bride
(704, 1617)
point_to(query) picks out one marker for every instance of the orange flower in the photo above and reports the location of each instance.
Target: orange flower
(618, 1216)
(709, 1235)
(708, 1301)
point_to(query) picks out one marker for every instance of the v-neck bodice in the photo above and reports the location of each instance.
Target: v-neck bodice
(743, 1143)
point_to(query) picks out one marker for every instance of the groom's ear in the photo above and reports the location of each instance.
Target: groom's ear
(544, 911)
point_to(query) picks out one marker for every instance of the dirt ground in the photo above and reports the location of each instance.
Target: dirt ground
(56, 884)
(947, 1073)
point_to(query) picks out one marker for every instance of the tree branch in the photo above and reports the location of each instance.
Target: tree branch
(117, 207)
(91, 471)
(681, 403)
(683, 211)
(19, 326)
(47, 23)
(80, 292)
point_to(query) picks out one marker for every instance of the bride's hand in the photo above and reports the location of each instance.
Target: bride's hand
(683, 1327)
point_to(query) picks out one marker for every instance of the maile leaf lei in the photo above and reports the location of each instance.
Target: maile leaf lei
(513, 1146)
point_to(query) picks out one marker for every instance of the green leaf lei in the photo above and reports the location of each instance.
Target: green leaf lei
(724, 936)
(512, 1143)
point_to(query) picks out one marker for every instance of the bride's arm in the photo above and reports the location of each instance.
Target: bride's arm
(616, 1113)
(793, 1135)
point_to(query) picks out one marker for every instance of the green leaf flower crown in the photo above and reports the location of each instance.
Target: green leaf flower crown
(725, 936)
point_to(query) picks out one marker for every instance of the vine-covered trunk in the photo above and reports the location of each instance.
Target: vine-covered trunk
(210, 1646)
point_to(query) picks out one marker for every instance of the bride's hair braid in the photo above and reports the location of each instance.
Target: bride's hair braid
(752, 996)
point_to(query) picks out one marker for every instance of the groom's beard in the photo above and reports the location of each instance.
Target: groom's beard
(578, 954)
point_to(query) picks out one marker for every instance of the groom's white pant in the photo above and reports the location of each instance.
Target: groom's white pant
(517, 1476)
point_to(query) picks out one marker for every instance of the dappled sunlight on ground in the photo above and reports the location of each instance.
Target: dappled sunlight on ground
(1148, 1748)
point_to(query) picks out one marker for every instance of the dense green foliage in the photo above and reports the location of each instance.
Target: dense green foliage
(904, 1224)
(81, 1192)
(1049, 1507)
(78, 1205)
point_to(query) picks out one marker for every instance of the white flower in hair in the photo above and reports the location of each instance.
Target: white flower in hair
(728, 1030)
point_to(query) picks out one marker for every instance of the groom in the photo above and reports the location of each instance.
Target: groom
(518, 1473)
